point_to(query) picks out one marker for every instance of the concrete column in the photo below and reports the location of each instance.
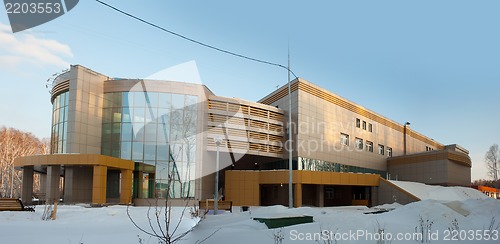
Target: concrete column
(43, 182)
(68, 184)
(53, 175)
(151, 185)
(99, 184)
(126, 186)
(320, 190)
(138, 177)
(43, 187)
(27, 190)
(298, 195)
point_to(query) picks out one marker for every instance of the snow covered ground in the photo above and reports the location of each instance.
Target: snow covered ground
(78, 224)
(343, 222)
(444, 214)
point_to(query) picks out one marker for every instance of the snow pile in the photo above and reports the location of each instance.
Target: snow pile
(388, 206)
(451, 193)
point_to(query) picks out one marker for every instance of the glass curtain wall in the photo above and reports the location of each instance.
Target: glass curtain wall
(154, 128)
(320, 165)
(59, 123)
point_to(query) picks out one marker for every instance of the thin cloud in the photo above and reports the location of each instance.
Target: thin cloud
(19, 49)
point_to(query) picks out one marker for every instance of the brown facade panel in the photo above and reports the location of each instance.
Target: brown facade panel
(456, 157)
(436, 167)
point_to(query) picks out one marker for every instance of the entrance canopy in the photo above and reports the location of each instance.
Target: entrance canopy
(85, 177)
(39, 161)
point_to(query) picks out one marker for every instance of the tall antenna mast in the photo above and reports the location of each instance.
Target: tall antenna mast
(290, 161)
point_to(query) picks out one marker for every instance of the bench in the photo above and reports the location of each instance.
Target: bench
(221, 205)
(40, 198)
(12, 204)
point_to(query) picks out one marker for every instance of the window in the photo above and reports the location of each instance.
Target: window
(369, 146)
(364, 125)
(370, 127)
(150, 124)
(358, 123)
(344, 139)
(139, 99)
(389, 152)
(359, 143)
(380, 149)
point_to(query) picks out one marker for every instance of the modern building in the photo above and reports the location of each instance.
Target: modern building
(123, 140)
(489, 191)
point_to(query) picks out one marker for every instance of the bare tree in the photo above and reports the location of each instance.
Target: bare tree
(492, 159)
(483, 182)
(182, 151)
(13, 144)
(161, 224)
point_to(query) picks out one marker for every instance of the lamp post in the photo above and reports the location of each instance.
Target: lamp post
(218, 141)
(404, 138)
(290, 154)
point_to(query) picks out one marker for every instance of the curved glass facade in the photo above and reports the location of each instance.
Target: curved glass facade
(59, 123)
(157, 129)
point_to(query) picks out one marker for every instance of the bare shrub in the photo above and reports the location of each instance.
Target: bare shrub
(424, 227)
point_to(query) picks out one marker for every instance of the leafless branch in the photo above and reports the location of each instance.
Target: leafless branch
(137, 226)
(208, 237)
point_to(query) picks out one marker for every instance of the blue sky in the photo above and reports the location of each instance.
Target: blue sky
(433, 63)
